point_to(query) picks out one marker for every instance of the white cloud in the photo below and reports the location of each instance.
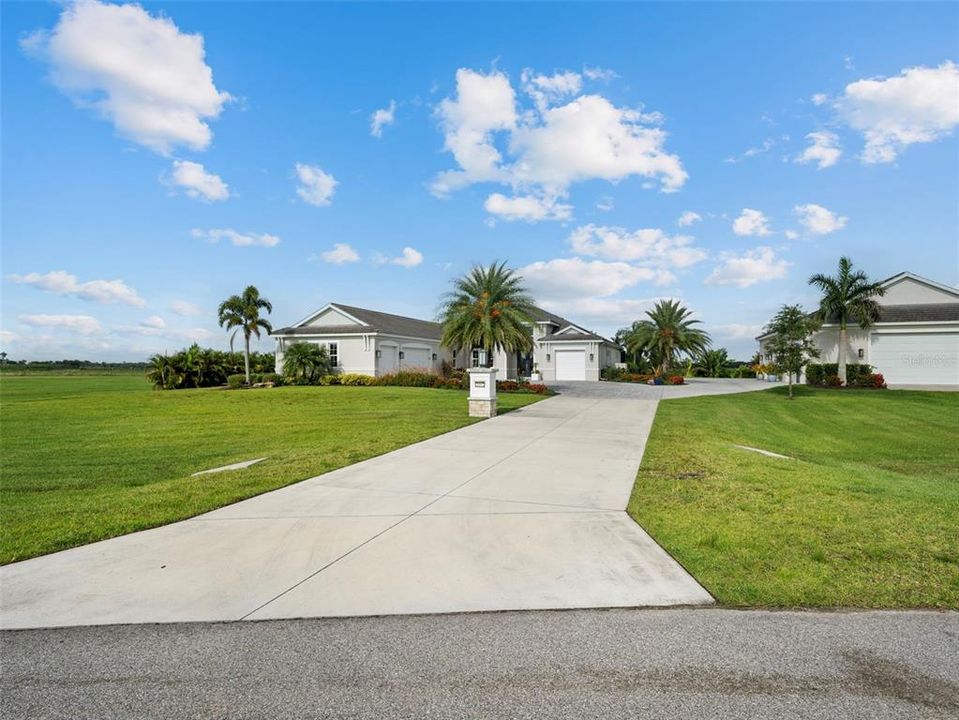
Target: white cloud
(549, 147)
(919, 105)
(598, 73)
(138, 71)
(757, 265)
(409, 258)
(381, 118)
(83, 324)
(648, 245)
(61, 282)
(483, 104)
(184, 308)
(751, 222)
(818, 220)
(549, 89)
(198, 182)
(768, 144)
(154, 321)
(791, 235)
(823, 149)
(527, 207)
(564, 279)
(688, 218)
(605, 204)
(239, 239)
(340, 254)
(316, 186)
(736, 331)
(819, 99)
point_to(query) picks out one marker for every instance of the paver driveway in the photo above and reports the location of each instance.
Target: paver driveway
(525, 511)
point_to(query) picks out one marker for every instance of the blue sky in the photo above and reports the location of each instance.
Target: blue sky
(158, 158)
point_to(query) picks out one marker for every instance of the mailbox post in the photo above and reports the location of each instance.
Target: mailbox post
(482, 392)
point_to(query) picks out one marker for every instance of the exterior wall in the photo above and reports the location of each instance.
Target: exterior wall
(909, 292)
(354, 351)
(548, 366)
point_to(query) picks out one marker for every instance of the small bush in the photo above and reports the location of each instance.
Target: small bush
(833, 381)
(236, 381)
(507, 386)
(326, 380)
(273, 378)
(675, 380)
(450, 383)
(856, 374)
(538, 389)
(873, 380)
(356, 379)
(408, 378)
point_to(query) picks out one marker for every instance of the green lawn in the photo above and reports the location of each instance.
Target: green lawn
(866, 515)
(87, 457)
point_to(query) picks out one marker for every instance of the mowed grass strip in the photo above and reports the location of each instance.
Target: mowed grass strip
(865, 515)
(87, 457)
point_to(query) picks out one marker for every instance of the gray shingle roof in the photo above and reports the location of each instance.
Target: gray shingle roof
(939, 312)
(376, 321)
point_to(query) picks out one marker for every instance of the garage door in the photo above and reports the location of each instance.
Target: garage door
(570, 364)
(418, 358)
(387, 361)
(916, 359)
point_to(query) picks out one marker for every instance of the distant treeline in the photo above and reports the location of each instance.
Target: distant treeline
(19, 367)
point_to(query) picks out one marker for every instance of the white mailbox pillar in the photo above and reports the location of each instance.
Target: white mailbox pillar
(482, 392)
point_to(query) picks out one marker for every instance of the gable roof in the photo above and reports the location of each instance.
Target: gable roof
(570, 336)
(373, 321)
(906, 275)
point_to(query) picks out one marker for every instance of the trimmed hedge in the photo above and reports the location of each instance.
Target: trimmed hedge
(409, 378)
(827, 375)
(236, 381)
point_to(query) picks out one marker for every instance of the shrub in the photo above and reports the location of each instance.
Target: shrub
(874, 380)
(675, 380)
(613, 373)
(236, 381)
(507, 386)
(324, 380)
(355, 379)
(450, 383)
(833, 381)
(408, 378)
(272, 378)
(538, 388)
(856, 374)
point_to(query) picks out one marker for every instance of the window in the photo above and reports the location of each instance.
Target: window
(479, 357)
(333, 349)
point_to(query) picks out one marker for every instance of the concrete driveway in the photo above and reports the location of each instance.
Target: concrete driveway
(524, 511)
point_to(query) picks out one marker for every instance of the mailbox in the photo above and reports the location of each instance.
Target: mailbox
(482, 399)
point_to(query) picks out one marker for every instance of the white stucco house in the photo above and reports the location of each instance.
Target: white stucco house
(370, 342)
(914, 342)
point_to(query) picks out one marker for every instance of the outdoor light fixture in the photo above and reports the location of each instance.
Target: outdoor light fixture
(379, 353)
(547, 357)
(591, 357)
(402, 354)
(434, 356)
(862, 353)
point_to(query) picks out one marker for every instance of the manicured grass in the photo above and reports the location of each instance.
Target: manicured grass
(866, 515)
(86, 458)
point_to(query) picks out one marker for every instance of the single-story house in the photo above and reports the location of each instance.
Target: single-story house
(375, 343)
(914, 342)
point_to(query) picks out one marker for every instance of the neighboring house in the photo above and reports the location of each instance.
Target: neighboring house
(915, 341)
(375, 343)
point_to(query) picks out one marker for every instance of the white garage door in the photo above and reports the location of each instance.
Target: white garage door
(570, 364)
(417, 358)
(919, 359)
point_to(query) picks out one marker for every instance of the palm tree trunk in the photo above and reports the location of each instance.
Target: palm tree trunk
(246, 357)
(843, 341)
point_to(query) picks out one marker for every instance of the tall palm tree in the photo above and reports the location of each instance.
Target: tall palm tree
(668, 331)
(488, 308)
(847, 296)
(163, 373)
(243, 313)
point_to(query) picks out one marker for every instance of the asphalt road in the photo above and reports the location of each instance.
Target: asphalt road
(680, 663)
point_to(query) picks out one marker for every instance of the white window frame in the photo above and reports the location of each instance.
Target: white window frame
(333, 352)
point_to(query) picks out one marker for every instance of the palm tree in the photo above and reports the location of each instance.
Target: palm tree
(163, 373)
(306, 361)
(488, 308)
(713, 362)
(848, 296)
(668, 331)
(243, 313)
